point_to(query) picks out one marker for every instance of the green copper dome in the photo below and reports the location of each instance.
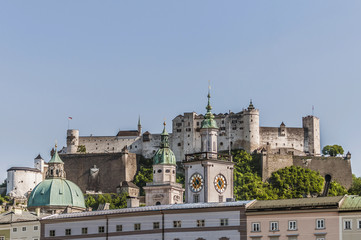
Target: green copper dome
(164, 155)
(56, 192)
(209, 121)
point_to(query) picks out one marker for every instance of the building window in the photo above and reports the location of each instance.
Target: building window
(177, 224)
(156, 225)
(15, 229)
(179, 144)
(23, 229)
(320, 224)
(200, 223)
(2, 238)
(137, 226)
(101, 229)
(273, 226)
(220, 198)
(196, 198)
(52, 233)
(68, 231)
(84, 230)
(256, 227)
(292, 225)
(347, 224)
(159, 170)
(179, 130)
(36, 228)
(119, 228)
(359, 224)
(167, 170)
(224, 221)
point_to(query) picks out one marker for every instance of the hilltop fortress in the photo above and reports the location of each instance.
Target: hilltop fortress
(279, 146)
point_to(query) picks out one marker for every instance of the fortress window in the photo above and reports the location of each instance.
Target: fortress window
(189, 135)
(136, 146)
(159, 170)
(179, 124)
(179, 144)
(189, 124)
(222, 121)
(241, 122)
(240, 128)
(221, 143)
(179, 130)
(197, 123)
(234, 128)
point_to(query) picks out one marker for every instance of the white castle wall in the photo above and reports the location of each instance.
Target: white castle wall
(20, 182)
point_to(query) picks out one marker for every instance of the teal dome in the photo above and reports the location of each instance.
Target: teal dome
(164, 155)
(56, 192)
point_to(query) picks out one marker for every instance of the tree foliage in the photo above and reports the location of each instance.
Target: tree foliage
(290, 182)
(115, 200)
(296, 182)
(144, 175)
(332, 150)
(336, 189)
(356, 186)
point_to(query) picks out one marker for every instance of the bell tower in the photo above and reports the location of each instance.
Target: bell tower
(208, 174)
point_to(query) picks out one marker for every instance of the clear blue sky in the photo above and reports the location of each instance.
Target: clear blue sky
(106, 62)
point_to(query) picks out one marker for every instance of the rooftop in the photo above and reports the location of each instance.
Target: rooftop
(11, 217)
(23, 169)
(351, 203)
(149, 208)
(319, 202)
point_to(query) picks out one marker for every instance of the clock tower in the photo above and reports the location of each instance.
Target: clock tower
(208, 174)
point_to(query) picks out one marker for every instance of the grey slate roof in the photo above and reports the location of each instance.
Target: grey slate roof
(150, 208)
(11, 217)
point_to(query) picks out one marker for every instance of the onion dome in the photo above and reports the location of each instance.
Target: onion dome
(55, 192)
(164, 155)
(209, 121)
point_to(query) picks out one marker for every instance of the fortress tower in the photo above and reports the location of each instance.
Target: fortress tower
(311, 125)
(251, 135)
(72, 140)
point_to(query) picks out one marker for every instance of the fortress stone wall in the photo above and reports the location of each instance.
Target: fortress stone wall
(100, 172)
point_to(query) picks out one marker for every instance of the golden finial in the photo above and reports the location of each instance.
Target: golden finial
(56, 144)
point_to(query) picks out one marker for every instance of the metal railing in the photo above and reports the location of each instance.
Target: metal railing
(207, 155)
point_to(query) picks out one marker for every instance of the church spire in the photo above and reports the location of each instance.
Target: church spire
(209, 121)
(164, 143)
(139, 126)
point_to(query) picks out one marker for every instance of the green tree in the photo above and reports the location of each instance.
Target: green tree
(247, 182)
(115, 200)
(356, 186)
(336, 189)
(144, 175)
(333, 150)
(296, 182)
(81, 149)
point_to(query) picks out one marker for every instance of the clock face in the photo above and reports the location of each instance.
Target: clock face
(196, 182)
(220, 183)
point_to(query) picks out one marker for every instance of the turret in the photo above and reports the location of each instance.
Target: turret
(56, 167)
(251, 128)
(311, 125)
(72, 140)
(39, 163)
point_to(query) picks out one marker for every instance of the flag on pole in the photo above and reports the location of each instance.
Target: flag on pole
(70, 118)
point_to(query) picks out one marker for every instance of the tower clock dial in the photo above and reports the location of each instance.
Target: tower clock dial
(196, 182)
(220, 183)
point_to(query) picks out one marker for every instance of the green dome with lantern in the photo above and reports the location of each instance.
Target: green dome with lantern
(209, 121)
(55, 192)
(164, 155)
